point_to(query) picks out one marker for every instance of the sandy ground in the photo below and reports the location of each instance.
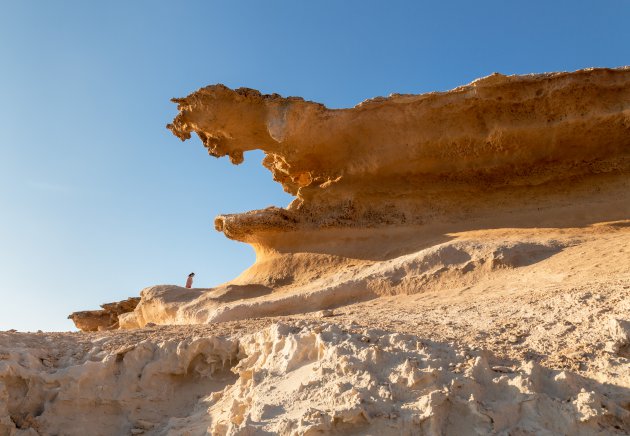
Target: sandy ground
(555, 312)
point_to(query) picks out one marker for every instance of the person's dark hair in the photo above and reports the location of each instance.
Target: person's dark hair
(191, 275)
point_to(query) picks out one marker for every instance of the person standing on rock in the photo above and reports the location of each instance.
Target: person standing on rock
(190, 280)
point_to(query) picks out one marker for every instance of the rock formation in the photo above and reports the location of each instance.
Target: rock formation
(380, 186)
(298, 378)
(498, 143)
(105, 319)
(453, 263)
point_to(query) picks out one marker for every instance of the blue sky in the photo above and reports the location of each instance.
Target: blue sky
(99, 200)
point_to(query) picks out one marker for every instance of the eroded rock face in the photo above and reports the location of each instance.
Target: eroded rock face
(330, 380)
(65, 384)
(383, 189)
(498, 142)
(466, 251)
(105, 319)
(446, 264)
(298, 378)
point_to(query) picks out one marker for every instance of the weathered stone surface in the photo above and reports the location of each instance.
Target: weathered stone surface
(93, 320)
(620, 334)
(381, 188)
(497, 143)
(106, 319)
(121, 307)
(454, 263)
(304, 377)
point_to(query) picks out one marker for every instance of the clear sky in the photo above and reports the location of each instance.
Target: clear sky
(98, 200)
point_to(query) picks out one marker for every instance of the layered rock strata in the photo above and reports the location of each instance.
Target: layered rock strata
(495, 144)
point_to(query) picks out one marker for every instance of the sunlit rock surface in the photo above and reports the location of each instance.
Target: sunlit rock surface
(453, 263)
(495, 144)
(107, 318)
(383, 189)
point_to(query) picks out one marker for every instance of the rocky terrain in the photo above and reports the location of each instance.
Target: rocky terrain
(453, 263)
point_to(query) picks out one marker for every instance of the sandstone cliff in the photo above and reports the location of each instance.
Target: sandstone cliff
(453, 263)
(381, 188)
(495, 144)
